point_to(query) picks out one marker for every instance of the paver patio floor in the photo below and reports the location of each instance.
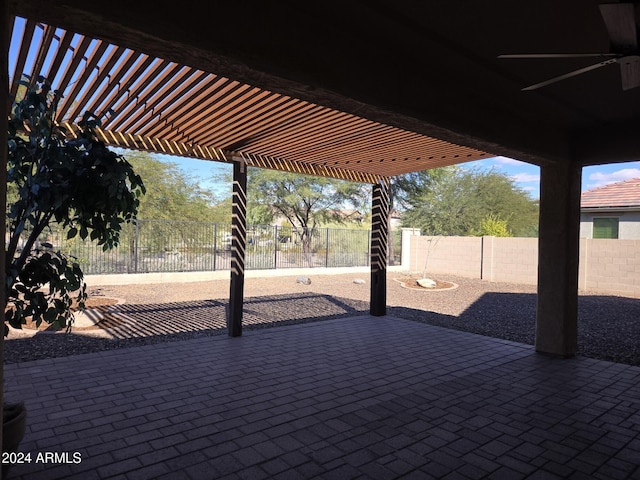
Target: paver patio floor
(358, 397)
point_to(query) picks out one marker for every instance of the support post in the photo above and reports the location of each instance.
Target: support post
(405, 251)
(238, 248)
(326, 250)
(379, 248)
(275, 247)
(558, 259)
(215, 246)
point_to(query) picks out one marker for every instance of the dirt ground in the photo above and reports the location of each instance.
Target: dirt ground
(153, 313)
(449, 301)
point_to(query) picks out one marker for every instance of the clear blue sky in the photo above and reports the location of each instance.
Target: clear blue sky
(526, 176)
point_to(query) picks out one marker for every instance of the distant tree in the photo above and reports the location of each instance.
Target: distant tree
(493, 226)
(305, 201)
(220, 212)
(407, 187)
(460, 200)
(173, 197)
(259, 213)
(171, 193)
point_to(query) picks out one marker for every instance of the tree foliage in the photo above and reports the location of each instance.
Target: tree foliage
(492, 226)
(174, 195)
(173, 200)
(306, 202)
(408, 187)
(73, 181)
(458, 201)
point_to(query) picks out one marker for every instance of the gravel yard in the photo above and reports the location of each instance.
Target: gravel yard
(609, 326)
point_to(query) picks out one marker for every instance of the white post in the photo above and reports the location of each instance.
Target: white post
(406, 253)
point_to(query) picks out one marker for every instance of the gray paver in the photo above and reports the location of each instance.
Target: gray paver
(357, 397)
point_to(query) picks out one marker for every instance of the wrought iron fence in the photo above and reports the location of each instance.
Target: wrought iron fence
(174, 246)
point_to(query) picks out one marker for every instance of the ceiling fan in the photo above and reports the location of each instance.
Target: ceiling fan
(620, 21)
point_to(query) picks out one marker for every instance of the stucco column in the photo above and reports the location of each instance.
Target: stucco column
(406, 253)
(379, 248)
(238, 248)
(558, 258)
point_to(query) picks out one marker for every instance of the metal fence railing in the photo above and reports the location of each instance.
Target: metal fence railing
(174, 246)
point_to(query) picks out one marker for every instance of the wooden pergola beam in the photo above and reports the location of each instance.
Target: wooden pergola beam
(379, 247)
(238, 248)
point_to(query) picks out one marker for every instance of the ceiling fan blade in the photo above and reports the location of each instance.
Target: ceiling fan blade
(630, 72)
(571, 74)
(619, 18)
(559, 55)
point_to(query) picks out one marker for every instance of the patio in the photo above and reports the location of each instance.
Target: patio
(356, 397)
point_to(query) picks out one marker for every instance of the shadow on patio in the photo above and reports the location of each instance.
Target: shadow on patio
(345, 398)
(608, 326)
(350, 397)
(126, 325)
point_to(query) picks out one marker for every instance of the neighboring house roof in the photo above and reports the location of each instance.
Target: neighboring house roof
(615, 195)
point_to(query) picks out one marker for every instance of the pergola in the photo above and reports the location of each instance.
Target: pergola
(156, 105)
(358, 91)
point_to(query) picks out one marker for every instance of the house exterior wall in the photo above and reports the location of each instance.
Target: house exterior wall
(629, 225)
(606, 266)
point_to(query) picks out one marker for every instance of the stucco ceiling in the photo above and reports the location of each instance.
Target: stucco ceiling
(427, 67)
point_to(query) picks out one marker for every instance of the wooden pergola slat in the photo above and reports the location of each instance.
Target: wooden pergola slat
(150, 103)
(155, 105)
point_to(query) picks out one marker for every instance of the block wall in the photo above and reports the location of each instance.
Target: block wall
(611, 266)
(462, 255)
(606, 266)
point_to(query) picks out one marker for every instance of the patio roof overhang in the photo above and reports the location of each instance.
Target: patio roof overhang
(430, 68)
(156, 105)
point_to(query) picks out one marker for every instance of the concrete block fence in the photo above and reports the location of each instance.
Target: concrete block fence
(606, 266)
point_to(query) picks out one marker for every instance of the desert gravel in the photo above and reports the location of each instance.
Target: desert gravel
(609, 326)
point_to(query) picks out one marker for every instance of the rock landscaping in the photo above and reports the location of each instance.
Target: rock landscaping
(608, 325)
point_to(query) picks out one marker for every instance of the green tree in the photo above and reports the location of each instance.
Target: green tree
(221, 211)
(409, 186)
(306, 202)
(494, 226)
(259, 213)
(74, 182)
(172, 194)
(174, 200)
(404, 189)
(460, 199)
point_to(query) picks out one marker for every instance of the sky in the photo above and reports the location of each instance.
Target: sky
(524, 175)
(527, 176)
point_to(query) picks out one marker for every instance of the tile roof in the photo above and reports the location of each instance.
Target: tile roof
(621, 194)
